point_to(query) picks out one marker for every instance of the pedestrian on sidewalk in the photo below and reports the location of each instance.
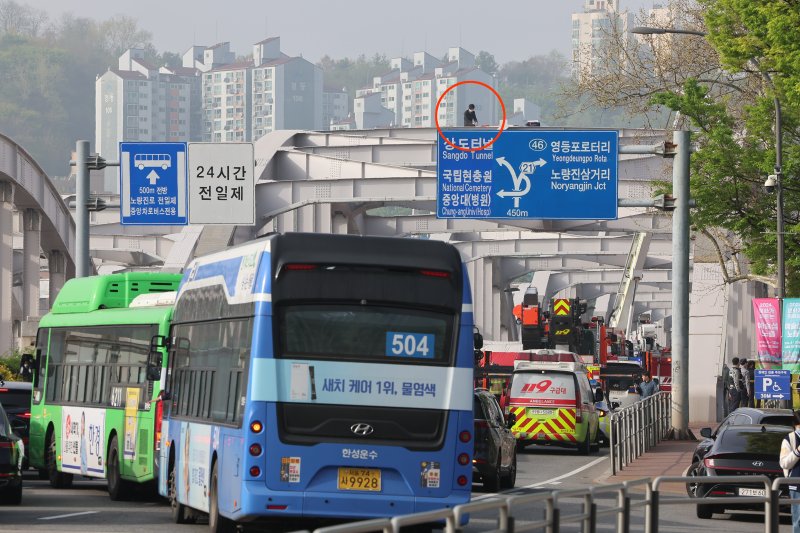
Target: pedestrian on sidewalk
(790, 462)
(751, 377)
(735, 386)
(648, 386)
(747, 393)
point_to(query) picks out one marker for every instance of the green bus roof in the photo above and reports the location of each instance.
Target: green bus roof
(112, 291)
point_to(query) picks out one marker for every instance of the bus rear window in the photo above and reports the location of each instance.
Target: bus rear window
(543, 388)
(363, 332)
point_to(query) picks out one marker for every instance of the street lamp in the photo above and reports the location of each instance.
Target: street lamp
(773, 182)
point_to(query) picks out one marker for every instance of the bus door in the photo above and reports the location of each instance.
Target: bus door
(545, 404)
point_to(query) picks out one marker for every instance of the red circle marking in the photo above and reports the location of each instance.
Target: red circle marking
(499, 131)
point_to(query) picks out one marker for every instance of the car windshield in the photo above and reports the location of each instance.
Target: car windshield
(779, 420)
(752, 440)
(15, 398)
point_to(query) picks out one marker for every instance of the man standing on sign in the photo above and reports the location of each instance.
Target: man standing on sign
(470, 118)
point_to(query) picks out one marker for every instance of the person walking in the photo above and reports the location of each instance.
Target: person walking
(751, 377)
(470, 118)
(648, 386)
(735, 386)
(790, 463)
(747, 392)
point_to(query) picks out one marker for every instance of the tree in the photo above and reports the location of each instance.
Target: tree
(353, 74)
(485, 61)
(719, 87)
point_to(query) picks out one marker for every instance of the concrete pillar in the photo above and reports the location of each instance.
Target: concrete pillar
(31, 252)
(57, 265)
(6, 265)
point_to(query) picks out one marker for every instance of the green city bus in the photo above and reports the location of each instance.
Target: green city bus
(100, 355)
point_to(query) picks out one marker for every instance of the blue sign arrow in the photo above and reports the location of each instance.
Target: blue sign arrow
(153, 187)
(527, 174)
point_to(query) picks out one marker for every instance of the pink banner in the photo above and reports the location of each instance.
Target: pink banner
(768, 331)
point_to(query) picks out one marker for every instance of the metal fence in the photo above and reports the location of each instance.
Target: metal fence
(637, 428)
(558, 508)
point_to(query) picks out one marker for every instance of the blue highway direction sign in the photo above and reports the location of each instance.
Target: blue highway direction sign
(528, 174)
(153, 188)
(773, 384)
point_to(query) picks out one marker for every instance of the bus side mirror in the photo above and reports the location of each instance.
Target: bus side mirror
(154, 358)
(478, 340)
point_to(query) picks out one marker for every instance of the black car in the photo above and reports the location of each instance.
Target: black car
(735, 450)
(11, 453)
(752, 415)
(494, 461)
(16, 398)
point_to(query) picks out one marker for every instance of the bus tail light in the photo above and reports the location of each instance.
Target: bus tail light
(256, 426)
(465, 436)
(255, 471)
(300, 266)
(463, 459)
(255, 449)
(462, 480)
(435, 273)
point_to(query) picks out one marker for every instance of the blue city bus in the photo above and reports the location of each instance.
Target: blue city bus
(319, 376)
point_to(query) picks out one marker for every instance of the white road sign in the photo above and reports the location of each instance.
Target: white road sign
(221, 184)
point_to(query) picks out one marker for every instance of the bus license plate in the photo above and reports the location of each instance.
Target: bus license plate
(359, 479)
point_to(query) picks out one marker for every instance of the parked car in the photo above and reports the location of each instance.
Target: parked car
(16, 398)
(752, 415)
(494, 461)
(735, 450)
(11, 453)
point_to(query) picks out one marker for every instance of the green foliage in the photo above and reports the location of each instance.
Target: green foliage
(486, 62)
(6, 374)
(47, 94)
(9, 364)
(353, 74)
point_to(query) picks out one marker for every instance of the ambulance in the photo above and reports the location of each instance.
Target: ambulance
(553, 404)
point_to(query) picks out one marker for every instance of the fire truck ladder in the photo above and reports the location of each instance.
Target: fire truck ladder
(623, 300)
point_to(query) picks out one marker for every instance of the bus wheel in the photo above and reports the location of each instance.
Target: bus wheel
(58, 480)
(180, 513)
(118, 488)
(216, 522)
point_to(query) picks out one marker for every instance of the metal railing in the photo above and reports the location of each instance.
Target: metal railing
(559, 507)
(637, 428)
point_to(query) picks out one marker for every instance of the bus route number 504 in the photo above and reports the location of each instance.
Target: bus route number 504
(418, 345)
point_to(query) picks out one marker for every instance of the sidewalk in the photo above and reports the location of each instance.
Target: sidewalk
(668, 458)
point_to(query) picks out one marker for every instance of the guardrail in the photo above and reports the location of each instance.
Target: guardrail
(558, 507)
(637, 428)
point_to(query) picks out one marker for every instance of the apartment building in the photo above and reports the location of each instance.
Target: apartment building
(591, 30)
(335, 106)
(138, 102)
(411, 89)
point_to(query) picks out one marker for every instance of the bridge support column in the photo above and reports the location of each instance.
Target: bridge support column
(57, 265)
(31, 252)
(6, 265)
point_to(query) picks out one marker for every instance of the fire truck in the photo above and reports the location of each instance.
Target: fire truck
(559, 327)
(655, 358)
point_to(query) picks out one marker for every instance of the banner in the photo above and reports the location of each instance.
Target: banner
(790, 326)
(768, 332)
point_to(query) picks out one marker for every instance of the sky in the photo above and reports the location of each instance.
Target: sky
(509, 29)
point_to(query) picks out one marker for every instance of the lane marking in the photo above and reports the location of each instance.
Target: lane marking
(68, 515)
(568, 474)
(555, 480)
